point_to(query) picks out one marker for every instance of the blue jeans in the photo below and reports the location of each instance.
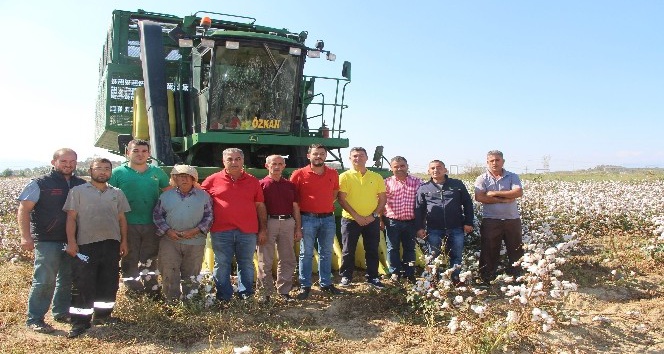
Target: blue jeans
(225, 245)
(453, 246)
(51, 280)
(400, 234)
(323, 231)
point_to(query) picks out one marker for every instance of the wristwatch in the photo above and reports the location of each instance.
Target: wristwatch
(375, 215)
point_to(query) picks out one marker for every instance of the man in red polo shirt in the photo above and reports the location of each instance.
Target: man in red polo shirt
(317, 186)
(239, 219)
(283, 228)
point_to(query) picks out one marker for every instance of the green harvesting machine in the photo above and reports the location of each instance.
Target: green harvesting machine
(196, 85)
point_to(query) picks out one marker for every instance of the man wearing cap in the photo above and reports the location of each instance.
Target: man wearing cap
(283, 228)
(183, 216)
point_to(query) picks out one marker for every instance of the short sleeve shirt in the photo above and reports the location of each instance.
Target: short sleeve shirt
(487, 182)
(97, 212)
(361, 191)
(142, 190)
(279, 195)
(316, 193)
(234, 201)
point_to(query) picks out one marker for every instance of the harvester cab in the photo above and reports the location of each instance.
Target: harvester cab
(197, 85)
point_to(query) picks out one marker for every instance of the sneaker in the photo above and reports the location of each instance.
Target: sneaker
(395, 277)
(62, 319)
(304, 293)
(40, 327)
(77, 330)
(376, 283)
(286, 297)
(344, 281)
(330, 289)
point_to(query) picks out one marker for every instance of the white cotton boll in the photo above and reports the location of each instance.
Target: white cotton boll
(445, 305)
(458, 299)
(512, 317)
(464, 275)
(478, 309)
(155, 287)
(557, 273)
(641, 328)
(144, 272)
(546, 327)
(556, 294)
(242, 350)
(523, 300)
(466, 325)
(508, 279)
(436, 294)
(539, 286)
(189, 296)
(550, 251)
(148, 263)
(208, 288)
(453, 325)
(574, 321)
(613, 272)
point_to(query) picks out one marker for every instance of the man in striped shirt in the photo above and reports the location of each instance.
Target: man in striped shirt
(399, 221)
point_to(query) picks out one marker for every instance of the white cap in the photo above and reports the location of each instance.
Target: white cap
(185, 169)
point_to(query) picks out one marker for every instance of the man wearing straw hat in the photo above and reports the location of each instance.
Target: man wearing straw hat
(182, 216)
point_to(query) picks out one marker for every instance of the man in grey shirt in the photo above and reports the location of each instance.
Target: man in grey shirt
(497, 190)
(97, 229)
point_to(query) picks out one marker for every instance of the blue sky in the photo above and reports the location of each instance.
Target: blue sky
(579, 81)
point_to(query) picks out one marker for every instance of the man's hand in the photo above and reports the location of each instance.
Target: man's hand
(421, 233)
(173, 235)
(27, 244)
(71, 249)
(262, 237)
(124, 249)
(467, 229)
(298, 235)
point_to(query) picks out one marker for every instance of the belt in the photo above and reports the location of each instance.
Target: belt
(280, 217)
(317, 215)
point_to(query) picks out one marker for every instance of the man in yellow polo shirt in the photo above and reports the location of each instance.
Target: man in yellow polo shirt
(362, 196)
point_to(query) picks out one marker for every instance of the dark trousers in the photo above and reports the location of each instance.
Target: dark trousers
(95, 283)
(493, 233)
(350, 234)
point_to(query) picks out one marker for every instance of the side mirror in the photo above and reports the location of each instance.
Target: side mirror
(345, 70)
(378, 157)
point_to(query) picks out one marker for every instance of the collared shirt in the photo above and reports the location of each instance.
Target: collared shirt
(97, 212)
(279, 195)
(315, 192)
(188, 215)
(508, 181)
(234, 201)
(401, 197)
(361, 191)
(142, 190)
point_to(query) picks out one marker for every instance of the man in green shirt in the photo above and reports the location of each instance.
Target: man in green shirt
(141, 183)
